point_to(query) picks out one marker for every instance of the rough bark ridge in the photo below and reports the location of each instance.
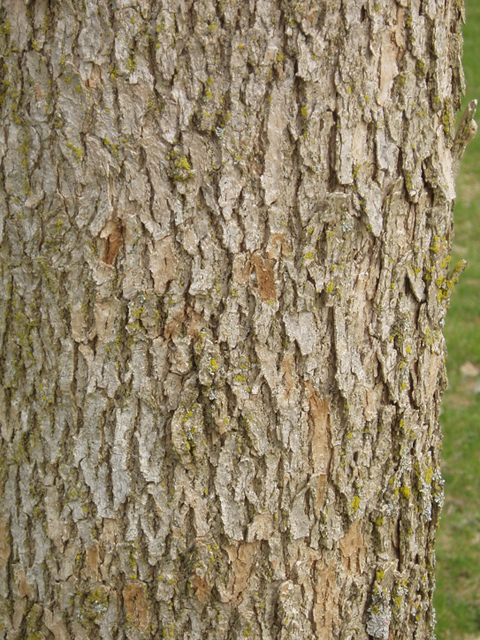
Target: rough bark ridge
(225, 235)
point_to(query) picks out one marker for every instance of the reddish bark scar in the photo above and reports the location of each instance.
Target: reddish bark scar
(136, 605)
(265, 278)
(112, 246)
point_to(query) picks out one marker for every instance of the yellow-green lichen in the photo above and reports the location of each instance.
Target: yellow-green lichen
(181, 169)
(355, 503)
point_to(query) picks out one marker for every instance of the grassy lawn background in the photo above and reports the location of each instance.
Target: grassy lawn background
(457, 598)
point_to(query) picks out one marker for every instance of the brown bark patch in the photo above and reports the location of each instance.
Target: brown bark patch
(242, 559)
(202, 588)
(320, 441)
(136, 605)
(23, 586)
(265, 278)
(4, 546)
(113, 234)
(287, 370)
(243, 566)
(352, 547)
(92, 562)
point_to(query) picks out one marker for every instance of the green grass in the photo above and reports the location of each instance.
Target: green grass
(457, 598)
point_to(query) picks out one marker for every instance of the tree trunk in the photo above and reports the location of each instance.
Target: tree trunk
(225, 238)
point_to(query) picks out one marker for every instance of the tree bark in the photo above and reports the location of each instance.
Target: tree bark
(225, 237)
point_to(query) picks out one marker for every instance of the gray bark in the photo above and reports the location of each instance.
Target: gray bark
(225, 233)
